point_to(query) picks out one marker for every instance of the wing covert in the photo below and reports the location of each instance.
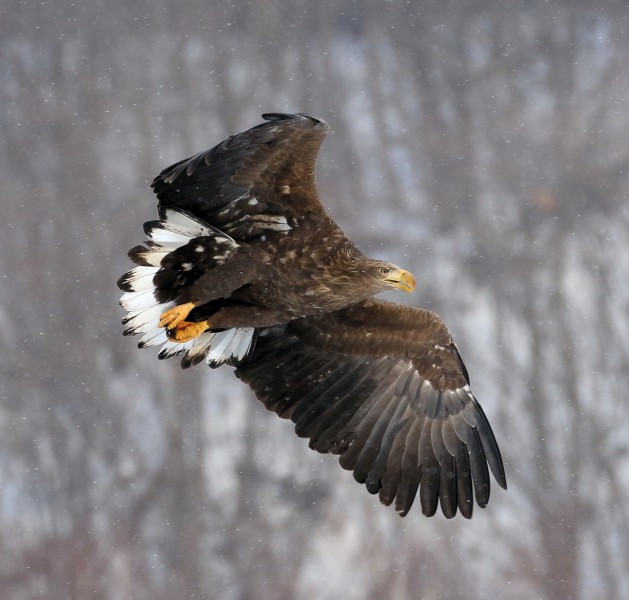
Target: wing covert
(256, 183)
(392, 400)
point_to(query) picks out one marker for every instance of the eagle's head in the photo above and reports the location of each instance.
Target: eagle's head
(353, 277)
(388, 276)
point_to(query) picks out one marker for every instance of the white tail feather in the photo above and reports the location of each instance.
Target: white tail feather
(170, 349)
(232, 343)
(201, 346)
(146, 320)
(141, 278)
(155, 337)
(243, 340)
(138, 301)
(154, 255)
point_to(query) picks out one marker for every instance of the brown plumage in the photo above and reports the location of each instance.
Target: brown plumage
(245, 267)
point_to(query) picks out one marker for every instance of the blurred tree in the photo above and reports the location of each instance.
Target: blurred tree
(484, 139)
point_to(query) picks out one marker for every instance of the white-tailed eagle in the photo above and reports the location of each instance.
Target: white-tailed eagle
(245, 267)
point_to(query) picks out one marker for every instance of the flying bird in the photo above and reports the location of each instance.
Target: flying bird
(244, 267)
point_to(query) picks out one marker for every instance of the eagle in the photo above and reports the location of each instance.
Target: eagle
(244, 267)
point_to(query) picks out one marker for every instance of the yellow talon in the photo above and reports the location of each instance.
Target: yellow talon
(186, 331)
(171, 318)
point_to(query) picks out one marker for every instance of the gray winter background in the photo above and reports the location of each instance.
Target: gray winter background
(483, 145)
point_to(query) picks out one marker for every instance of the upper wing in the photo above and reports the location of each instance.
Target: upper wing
(382, 385)
(255, 183)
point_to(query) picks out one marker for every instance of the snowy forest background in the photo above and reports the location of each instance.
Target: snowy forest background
(483, 145)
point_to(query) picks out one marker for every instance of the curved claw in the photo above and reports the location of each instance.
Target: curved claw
(186, 331)
(172, 317)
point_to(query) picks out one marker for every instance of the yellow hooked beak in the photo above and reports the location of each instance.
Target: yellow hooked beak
(402, 279)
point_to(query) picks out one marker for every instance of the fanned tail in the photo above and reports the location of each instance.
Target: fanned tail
(179, 249)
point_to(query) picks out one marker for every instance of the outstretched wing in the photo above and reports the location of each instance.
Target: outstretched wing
(382, 385)
(256, 183)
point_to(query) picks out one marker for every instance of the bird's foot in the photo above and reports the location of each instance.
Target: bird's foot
(176, 315)
(185, 331)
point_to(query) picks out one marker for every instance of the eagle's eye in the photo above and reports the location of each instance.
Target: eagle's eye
(384, 271)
